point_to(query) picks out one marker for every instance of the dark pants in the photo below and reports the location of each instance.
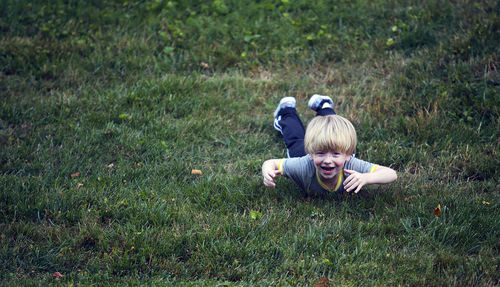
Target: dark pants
(293, 130)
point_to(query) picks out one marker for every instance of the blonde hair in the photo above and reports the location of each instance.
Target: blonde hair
(330, 133)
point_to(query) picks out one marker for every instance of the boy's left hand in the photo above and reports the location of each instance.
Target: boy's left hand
(355, 181)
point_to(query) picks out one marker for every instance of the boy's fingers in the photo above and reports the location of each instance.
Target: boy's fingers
(348, 180)
(269, 177)
(350, 187)
(269, 182)
(351, 183)
(354, 182)
(274, 173)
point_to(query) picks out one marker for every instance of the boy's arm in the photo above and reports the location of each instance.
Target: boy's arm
(355, 181)
(270, 169)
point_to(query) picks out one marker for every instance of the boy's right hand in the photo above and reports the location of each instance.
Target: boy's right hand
(269, 177)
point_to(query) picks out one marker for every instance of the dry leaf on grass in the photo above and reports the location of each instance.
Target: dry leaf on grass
(57, 275)
(322, 282)
(196, 172)
(76, 174)
(437, 210)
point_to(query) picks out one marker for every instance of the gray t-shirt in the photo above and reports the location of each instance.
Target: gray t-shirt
(302, 171)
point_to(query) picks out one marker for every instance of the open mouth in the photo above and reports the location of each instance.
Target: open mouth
(327, 169)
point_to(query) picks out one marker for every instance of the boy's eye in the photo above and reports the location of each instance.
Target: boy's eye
(323, 154)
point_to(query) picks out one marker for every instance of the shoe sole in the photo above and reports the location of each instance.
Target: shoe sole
(313, 99)
(285, 99)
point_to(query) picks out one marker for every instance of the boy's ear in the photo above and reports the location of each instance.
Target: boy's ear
(348, 158)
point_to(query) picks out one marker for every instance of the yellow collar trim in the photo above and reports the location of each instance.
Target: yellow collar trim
(337, 186)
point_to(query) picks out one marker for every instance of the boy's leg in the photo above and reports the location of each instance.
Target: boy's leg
(288, 123)
(323, 105)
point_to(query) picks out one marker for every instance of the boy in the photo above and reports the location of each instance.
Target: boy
(321, 158)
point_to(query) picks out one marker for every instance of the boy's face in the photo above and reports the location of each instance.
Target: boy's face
(329, 163)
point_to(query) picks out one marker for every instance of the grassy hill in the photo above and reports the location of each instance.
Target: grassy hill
(107, 106)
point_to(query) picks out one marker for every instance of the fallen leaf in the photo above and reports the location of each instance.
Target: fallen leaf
(204, 65)
(108, 132)
(79, 185)
(437, 210)
(486, 203)
(111, 165)
(57, 275)
(76, 174)
(322, 282)
(196, 172)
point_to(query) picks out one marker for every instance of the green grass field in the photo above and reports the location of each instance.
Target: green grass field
(107, 106)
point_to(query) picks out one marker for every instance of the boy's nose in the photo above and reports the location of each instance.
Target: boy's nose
(328, 158)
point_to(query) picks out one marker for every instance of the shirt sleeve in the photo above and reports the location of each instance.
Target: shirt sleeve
(298, 169)
(360, 165)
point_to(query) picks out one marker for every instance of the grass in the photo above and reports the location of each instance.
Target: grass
(107, 106)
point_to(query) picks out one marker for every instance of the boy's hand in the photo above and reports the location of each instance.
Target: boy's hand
(269, 176)
(355, 181)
